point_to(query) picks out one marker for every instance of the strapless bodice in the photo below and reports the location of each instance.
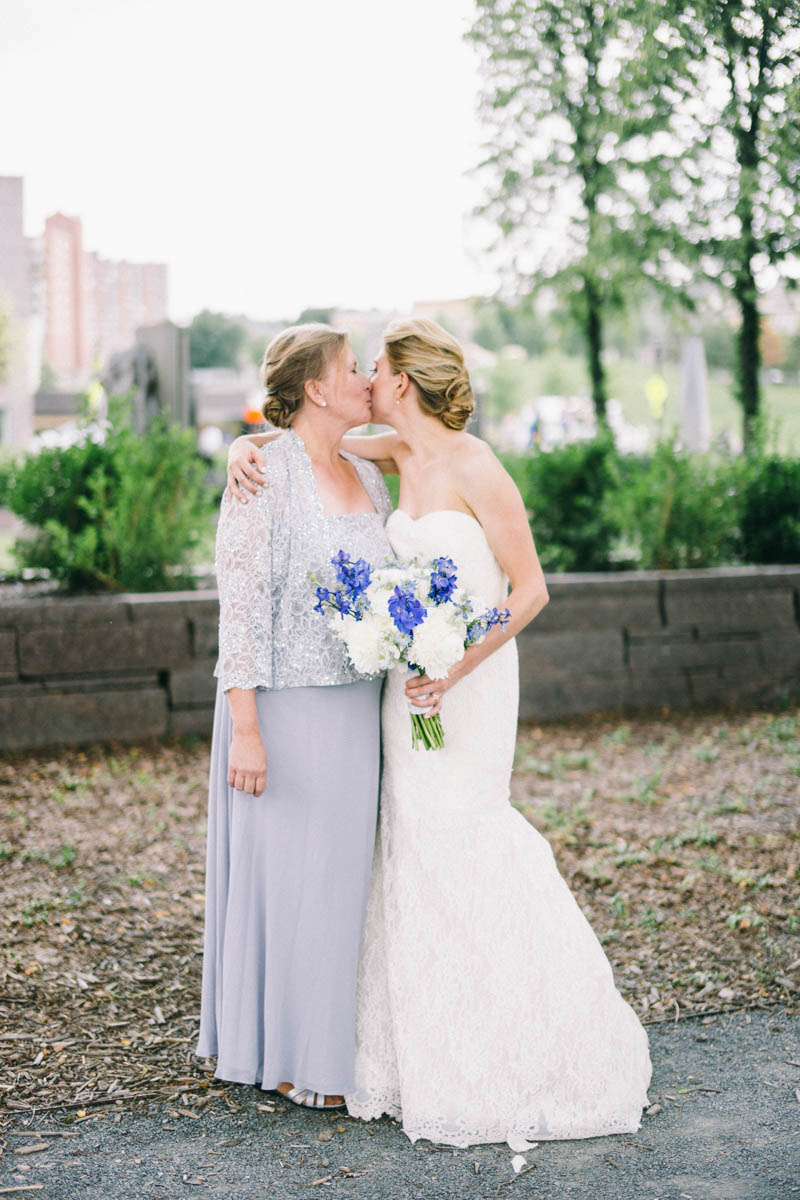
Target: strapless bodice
(455, 535)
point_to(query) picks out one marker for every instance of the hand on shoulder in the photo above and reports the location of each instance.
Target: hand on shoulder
(247, 462)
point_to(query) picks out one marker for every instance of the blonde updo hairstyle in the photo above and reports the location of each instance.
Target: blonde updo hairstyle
(434, 361)
(297, 355)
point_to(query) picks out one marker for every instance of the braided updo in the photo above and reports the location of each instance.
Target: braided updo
(434, 361)
(297, 354)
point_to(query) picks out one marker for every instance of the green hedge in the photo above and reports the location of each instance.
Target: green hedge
(593, 509)
(119, 514)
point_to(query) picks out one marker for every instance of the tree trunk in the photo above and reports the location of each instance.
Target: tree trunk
(749, 354)
(593, 331)
(748, 348)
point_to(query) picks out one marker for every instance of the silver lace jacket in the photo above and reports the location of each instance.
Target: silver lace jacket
(269, 635)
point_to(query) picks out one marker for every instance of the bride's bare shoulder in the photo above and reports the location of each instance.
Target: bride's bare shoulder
(482, 481)
(473, 454)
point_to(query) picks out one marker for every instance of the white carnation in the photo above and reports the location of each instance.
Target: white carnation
(379, 596)
(439, 641)
(369, 643)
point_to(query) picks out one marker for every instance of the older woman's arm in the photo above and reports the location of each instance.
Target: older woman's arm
(243, 566)
(247, 758)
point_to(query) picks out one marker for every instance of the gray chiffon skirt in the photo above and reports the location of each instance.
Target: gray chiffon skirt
(287, 876)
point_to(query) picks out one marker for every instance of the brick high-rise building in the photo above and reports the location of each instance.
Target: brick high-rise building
(62, 305)
(94, 305)
(66, 346)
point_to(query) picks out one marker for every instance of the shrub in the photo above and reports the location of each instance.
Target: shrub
(569, 491)
(677, 510)
(122, 513)
(593, 509)
(770, 510)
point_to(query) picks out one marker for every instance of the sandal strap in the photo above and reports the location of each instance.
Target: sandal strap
(308, 1099)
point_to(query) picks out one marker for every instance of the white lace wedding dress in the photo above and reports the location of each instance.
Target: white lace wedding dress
(487, 1010)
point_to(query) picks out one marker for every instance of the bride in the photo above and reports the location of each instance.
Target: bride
(486, 1007)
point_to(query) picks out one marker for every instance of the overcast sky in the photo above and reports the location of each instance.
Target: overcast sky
(276, 155)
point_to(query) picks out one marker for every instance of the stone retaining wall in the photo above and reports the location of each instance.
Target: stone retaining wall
(666, 639)
(127, 667)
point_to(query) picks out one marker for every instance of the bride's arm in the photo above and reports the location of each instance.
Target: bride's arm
(380, 448)
(247, 465)
(488, 489)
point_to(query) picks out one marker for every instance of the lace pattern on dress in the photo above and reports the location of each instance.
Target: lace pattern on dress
(269, 635)
(486, 1010)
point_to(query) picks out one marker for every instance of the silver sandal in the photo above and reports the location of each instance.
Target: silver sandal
(305, 1098)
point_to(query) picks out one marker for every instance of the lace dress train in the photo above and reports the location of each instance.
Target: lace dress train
(486, 1007)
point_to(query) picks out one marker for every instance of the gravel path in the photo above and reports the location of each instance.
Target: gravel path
(728, 1128)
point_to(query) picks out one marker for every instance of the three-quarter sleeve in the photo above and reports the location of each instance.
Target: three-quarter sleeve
(244, 580)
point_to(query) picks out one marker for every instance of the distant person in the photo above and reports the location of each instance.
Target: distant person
(487, 1010)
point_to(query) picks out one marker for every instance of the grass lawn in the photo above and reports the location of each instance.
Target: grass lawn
(7, 561)
(557, 374)
(678, 837)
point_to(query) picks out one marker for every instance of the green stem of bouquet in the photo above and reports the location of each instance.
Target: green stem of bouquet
(426, 732)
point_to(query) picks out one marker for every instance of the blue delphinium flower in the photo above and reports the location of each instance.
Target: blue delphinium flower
(350, 599)
(406, 610)
(323, 594)
(354, 575)
(477, 629)
(443, 580)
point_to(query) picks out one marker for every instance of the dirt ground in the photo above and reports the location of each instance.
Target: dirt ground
(679, 836)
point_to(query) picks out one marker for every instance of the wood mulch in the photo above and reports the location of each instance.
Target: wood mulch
(679, 836)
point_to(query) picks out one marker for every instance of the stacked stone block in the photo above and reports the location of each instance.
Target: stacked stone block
(87, 669)
(669, 639)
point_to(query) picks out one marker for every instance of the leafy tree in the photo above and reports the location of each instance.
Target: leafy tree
(498, 324)
(719, 340)
(255, 350)
(526, 328)
(310, 316)
(505, 391)
(215, 340)
(489, 331)
(574, 94)
(738, 173)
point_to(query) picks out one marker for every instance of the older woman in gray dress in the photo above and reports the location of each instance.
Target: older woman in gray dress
(293, 786)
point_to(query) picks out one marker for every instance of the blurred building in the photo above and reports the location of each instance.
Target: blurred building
(223, 396)
(94, 305)
(781, 307)
(20, 315)
(66, 344)
(365, 329)
(64, 311)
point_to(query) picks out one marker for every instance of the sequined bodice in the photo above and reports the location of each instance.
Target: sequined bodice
(270, 637)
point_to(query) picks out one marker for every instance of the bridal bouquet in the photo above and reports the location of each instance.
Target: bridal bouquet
(404, 614)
